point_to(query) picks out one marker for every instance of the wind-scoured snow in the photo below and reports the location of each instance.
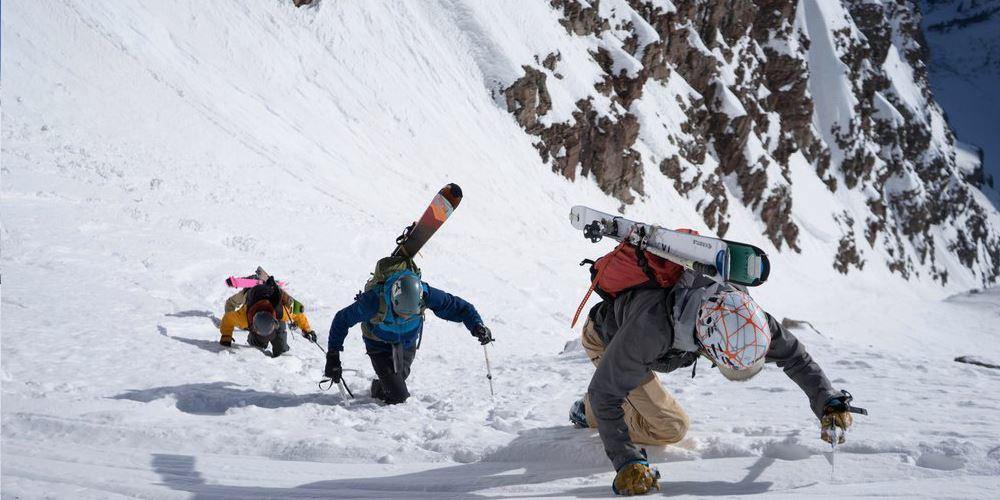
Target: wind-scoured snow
(152, 149)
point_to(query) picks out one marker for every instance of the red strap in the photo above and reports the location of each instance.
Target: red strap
(597, 278)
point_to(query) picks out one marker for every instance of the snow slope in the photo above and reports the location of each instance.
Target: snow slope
(151, 149)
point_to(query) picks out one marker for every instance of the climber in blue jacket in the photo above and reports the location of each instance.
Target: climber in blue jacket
(391, 314)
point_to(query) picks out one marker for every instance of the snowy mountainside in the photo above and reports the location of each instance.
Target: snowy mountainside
(964, 71)
(149, 150)
(737, 102)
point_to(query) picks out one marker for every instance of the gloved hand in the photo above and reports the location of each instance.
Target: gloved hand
(831, 422)
(333, 369)
(636, 478)
(226, 341)
(482, 333)
(836, 415)
(310, 336)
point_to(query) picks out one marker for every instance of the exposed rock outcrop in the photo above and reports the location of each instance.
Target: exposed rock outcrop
(728, 98)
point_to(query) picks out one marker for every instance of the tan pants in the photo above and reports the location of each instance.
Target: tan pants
(652, 415)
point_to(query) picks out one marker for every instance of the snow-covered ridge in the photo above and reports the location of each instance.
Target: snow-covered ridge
(732, 100)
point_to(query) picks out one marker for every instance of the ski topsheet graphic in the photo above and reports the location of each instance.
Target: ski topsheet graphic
(234, 282)
(441, 207)
(721, 260)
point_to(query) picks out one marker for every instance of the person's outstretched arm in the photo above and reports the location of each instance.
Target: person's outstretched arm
(452, 308)
(791, 356)
(363, 308)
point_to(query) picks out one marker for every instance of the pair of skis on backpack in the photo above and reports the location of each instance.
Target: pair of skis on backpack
(718, 259)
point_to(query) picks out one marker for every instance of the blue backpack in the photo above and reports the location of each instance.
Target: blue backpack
(387, 271)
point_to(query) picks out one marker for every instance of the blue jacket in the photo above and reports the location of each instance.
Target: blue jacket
(444, 305)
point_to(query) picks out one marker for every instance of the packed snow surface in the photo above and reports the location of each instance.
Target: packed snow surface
(151, 149)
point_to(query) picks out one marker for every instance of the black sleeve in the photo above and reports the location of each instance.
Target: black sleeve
(791, 356)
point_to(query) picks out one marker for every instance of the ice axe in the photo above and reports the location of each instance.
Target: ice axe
(344, 390)
(835, 433)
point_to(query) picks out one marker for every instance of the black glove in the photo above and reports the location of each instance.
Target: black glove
(482, 334)
(333, 370)
(310, 336)
(228, 342)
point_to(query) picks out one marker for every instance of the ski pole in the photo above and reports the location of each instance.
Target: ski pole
(489, 372)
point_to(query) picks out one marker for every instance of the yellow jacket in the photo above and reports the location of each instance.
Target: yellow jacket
(238, 319)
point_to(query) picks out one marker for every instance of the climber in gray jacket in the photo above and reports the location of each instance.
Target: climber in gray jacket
(662, 329)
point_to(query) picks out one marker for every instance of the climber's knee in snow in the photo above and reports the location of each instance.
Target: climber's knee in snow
(670, 430)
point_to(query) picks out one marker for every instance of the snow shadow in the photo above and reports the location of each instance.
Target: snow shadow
(179, 472)
(196, 314)
(746, 486)
(216, 398)
(208, 345)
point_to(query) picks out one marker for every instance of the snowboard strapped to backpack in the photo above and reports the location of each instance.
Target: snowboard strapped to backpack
(627, 268)
(387, 271)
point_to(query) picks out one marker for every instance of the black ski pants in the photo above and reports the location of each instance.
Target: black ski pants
(391, 384)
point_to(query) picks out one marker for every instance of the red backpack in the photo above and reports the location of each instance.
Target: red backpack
(627, 268)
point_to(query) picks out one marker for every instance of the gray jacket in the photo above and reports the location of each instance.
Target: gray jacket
(653, 329)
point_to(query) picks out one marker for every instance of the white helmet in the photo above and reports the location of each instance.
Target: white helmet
(733, 331)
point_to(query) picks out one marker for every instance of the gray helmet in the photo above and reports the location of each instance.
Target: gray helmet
(407, 295)
(264, 324)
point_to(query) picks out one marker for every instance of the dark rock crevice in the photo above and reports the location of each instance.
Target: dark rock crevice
(749, 115)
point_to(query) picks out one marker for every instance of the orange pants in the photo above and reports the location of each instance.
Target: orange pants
(652, 415)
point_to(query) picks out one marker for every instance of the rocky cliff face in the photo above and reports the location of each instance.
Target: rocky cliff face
(963, 37)
(731, 100)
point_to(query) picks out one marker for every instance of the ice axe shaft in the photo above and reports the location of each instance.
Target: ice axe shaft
(835, 434)
(344, 390)
(341, 385)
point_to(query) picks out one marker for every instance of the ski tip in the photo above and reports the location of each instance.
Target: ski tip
(453, 192)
